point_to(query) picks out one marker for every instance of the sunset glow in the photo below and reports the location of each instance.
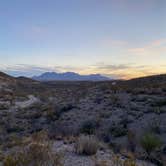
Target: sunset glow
(116, 38)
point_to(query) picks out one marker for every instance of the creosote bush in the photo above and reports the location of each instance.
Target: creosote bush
(118, 131)
(86, 145)
(89, 127)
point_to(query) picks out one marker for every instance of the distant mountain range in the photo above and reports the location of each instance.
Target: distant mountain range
(154, 80)
(69, 76)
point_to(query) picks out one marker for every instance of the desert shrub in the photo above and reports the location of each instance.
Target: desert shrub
(51, 115)
(124, 121)
(1, 156)
(160, 103)
(4, 106)
(59, 130)
(89, 127)
(104, 135)
(131, 140)
(129, 162)
(35, 154)
(40, 136)
(36, 115)
(87, 145)
(105, 114)
(115, 100)
(14, 128)
(50, 112)
(101, 163)
(13, 140)
(55, 114)
(157, 110)
(98, 100)
(118, 131)
(150, 142)
(118, 161)
(155, 126)
(67, 108)
(10, 161)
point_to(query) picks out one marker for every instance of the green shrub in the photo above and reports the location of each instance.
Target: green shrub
(15, 128)
(115, 100)
(87, 145)
(89, 127)
(67, 108)
(118, 131)
(160, 103)
(155, 126)
(150, 142)
(157, 110)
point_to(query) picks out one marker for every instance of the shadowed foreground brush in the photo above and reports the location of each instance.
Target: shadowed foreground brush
(34, 154)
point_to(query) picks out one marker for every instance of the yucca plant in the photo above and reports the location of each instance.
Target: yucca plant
(150, 142)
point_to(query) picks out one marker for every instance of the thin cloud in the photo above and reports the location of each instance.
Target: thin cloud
(159, 42)
(127, 71)
(113, 67)
(152, 48)
(31, 70)
(24, 70)
(116, 71)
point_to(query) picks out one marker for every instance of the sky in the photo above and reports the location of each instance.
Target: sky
(116, 38)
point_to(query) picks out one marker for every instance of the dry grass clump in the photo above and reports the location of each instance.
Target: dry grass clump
(87, 145)
(129, 162)
(37, 153)
(41, 136)
(117, 161)
(101, 163)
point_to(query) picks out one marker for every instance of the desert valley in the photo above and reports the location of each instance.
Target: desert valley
(83, 123)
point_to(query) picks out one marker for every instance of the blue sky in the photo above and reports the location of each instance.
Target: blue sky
(118, 38)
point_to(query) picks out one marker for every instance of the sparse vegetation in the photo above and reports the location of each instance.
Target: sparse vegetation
(129, 162)
(160, 103)
(157, 110)
(89, 126)
(118, 131)
(87, 145)
(150, 142)
(131, 137)
(117, 161)
(115, 114)
(35, 153)
(115, 100)
(155, 126)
